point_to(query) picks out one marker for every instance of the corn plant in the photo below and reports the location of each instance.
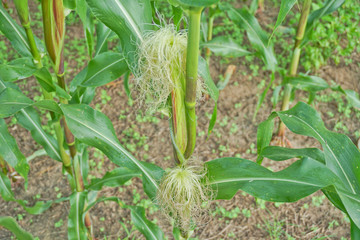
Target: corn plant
(168, 73)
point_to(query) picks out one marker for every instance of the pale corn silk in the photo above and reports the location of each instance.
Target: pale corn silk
(161, 66)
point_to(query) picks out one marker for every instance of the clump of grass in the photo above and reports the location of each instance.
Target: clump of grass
(161, 66)
(181, 194)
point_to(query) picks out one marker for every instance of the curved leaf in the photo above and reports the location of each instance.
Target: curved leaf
(329, 7)
(18, 69)
(129, 19)
(76, 226)
(95, 129)
(115, 178)
(256, 35)
(10, 224)
(150, 230)
(102, 33)
(11, 153)
(302, 178)
(280, 153)
(16, 34)
(308, 83)
(343, 161)
(226, 47)
(104, 68)
(285, 7)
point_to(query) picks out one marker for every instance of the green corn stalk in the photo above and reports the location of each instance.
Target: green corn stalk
(54, 32)
(294, 61)
(23, 12)
(192, 60)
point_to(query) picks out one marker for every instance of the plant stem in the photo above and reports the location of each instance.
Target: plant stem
(48, 96)
(294, 61)
(192, 60)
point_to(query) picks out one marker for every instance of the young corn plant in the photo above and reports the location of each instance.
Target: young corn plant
(302, 81)
(166, 64)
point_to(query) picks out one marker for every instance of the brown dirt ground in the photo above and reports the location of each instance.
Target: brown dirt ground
(288, 219)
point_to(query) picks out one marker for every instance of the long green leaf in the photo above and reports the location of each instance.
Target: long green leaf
(76, 226)
(308, 83)
(257, 36)
(18, 69)
(16, 34)
(280, 153)
(226, 47)
(95, 129)
(285, 7)
(329, 7)
(103, 33)
(129, 19)
(344, 161)
(12, 101)
(10, 224)
(8, 195)
(115, 178)
(30, 119)
(150, 230)
(228, 175)
(104, 68)
(10, 151)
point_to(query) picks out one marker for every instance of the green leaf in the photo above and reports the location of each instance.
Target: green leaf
(264, 135)
(302, 178)
(95, 129)
(226, 47)
(49, 105)
(61, 92)
(351, 95)
(76, 226)
(204, 72)
(285, 7)
(126, 84)
(45, 79)
(30, 119)
(352, 205)
(5, 188)
(104, 68)
(329, 7)
(18, 69)
(10, 224)
(212, 120)
(150, 230)
(12, 101)
(256, 35)
(129, 19)
(102, 34)
(343, 161)
(115, 178)
(8, 195)
(355, 231)
(280, 153)
(308, 83)
(11, 153)
(16, 34)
